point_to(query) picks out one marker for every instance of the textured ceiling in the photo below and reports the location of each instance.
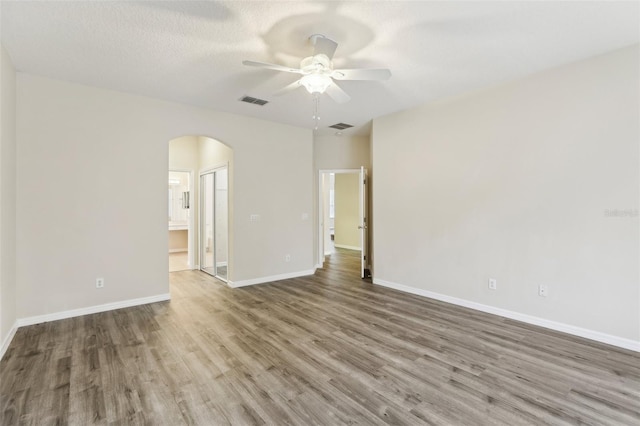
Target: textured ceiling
(192, 52)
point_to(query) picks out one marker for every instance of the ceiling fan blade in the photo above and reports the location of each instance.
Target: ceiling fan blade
(336, 93)
(289, 88)
(324, 46)
(271, 66)
(362, 74)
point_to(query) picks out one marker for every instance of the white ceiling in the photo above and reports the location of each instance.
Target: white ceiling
(192, 52)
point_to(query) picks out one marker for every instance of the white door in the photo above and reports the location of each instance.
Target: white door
(364, 226)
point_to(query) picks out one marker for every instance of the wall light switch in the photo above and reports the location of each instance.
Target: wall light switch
(493, 283)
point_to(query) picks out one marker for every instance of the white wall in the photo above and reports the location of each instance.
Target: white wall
(7, 198)
(92, 170)
(514, 183)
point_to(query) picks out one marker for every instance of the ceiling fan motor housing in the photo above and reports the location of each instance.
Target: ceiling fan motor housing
(318, 64)
(316, 72)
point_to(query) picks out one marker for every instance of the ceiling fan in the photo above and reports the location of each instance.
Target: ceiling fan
(318, 74)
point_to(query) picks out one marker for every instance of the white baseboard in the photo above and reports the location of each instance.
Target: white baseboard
(92, 310)
(8, 339)
(179, 250)
(343, 246)
(261, 280)
(529, 319)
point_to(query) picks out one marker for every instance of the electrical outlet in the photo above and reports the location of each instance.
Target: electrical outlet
(543, 290)
(493, 284)
(287, 258)
(99, 282)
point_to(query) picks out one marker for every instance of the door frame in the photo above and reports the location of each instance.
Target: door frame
(320, 258)
(363, 201)
(202, 172)
(191, 237)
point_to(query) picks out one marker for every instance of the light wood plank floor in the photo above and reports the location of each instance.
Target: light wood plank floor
(326, 349)
(178, 261)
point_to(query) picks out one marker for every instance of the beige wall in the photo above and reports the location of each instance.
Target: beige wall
(212, 153)
(178, 240)
(112, 222)
(7, 197)
(341, 152)
(183, 154)
(347, 214)
(514, 183)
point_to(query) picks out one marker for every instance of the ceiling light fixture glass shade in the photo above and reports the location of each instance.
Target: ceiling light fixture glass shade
(316, 83)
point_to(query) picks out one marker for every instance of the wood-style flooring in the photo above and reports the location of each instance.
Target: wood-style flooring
(327, 349)
(178, 261)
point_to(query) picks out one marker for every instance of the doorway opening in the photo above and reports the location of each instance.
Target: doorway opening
(200, 206)
(343, 215)
(180, 220)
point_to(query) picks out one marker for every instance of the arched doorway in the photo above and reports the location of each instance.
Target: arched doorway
(202, 208)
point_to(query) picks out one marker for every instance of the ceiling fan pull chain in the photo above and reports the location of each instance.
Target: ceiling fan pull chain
(316, 103)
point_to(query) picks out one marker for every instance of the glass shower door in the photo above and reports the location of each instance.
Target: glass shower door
(220, 220)
(207, 258)
(214, 214)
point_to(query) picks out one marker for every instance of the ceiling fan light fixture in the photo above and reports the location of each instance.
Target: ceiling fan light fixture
(318, 74)
(316, 83)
